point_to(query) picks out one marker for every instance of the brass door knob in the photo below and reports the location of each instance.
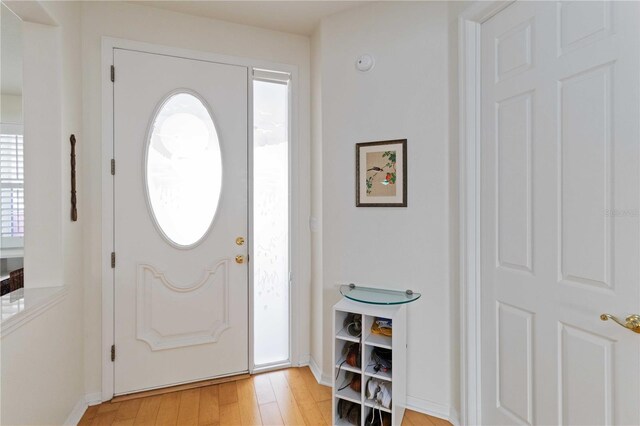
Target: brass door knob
(240, 259)
(632, 322)
(240, 241)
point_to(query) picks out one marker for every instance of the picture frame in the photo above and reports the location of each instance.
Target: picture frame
(381, 173)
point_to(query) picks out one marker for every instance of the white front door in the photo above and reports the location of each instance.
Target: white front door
(180, 197)
(560, 157)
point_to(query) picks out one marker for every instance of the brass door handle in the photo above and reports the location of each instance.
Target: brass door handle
(632, 322)
(240, 259)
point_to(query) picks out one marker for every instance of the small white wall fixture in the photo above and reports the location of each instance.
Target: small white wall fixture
(469, 60)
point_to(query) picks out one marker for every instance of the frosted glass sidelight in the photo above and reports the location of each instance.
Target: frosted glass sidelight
(183, 169)
(271, 222)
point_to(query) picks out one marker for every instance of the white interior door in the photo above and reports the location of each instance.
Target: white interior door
(180, 144)
(559, 214)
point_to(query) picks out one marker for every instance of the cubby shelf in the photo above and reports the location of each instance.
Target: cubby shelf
(349, 394)
(384, 375)
(344, 335)
(395, 377)
(347, 367)
(379, 341)
(372, 404)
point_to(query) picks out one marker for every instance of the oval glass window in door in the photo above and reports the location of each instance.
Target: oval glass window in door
(183, 169)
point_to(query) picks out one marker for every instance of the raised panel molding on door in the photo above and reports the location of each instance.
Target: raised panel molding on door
(557, 174)
(514, 185)
(585, 151)
(583, 22)
(173, 316)
(515, 362)
(514, 51)
(584, 362)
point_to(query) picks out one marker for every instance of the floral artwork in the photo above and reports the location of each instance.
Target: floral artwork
(381, 174)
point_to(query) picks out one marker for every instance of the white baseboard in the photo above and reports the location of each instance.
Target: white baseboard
(317, 373)
(303, 360)
(454, 417)
(434, 409)
(76, 414)
(81, 406)
(94, 398)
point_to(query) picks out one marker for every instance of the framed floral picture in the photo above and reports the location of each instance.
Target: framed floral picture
(381, 174)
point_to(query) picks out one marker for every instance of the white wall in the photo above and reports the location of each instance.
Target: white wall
(141, 23)
(407, 96)
(42, 361)
(11, 108)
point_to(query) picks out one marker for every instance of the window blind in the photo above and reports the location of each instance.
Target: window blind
(12, 185)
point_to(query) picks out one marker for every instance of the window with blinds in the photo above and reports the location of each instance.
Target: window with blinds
(11, 186)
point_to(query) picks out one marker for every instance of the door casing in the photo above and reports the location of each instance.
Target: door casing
(296, 250)
(469, 60)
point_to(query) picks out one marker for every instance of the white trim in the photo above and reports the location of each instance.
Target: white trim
(272, 76)
(469, 60)
(454, 417)
(271, 367)
(302, 360)
(33, 310)
(431, 408)
(77, 412)
(81, 406)
(250, 246)
(107, 220)
(317, 373)
(298, 252)
(93, 398)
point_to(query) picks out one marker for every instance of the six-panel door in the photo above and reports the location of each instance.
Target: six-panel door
(559, 213)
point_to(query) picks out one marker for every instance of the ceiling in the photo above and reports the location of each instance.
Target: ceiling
(10, 53)
(297, 17)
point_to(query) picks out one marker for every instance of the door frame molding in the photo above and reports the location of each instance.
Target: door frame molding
(470, 23)
(296, 236)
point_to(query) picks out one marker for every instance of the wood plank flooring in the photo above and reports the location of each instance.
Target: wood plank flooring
(284, 397)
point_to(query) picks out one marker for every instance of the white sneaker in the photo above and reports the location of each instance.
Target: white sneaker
(384, 396)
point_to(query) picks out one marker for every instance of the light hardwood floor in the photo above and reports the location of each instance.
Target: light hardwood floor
(285, 397)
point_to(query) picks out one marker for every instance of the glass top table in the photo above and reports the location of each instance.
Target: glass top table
(378, 296)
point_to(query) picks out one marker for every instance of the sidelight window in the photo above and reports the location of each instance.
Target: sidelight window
(271, 263)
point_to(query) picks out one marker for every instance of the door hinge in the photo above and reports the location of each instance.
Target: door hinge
(113, 353)
(113, 167)
(113, 73)
(113, 259)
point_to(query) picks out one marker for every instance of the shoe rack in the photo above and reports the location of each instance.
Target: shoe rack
(394, 379)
